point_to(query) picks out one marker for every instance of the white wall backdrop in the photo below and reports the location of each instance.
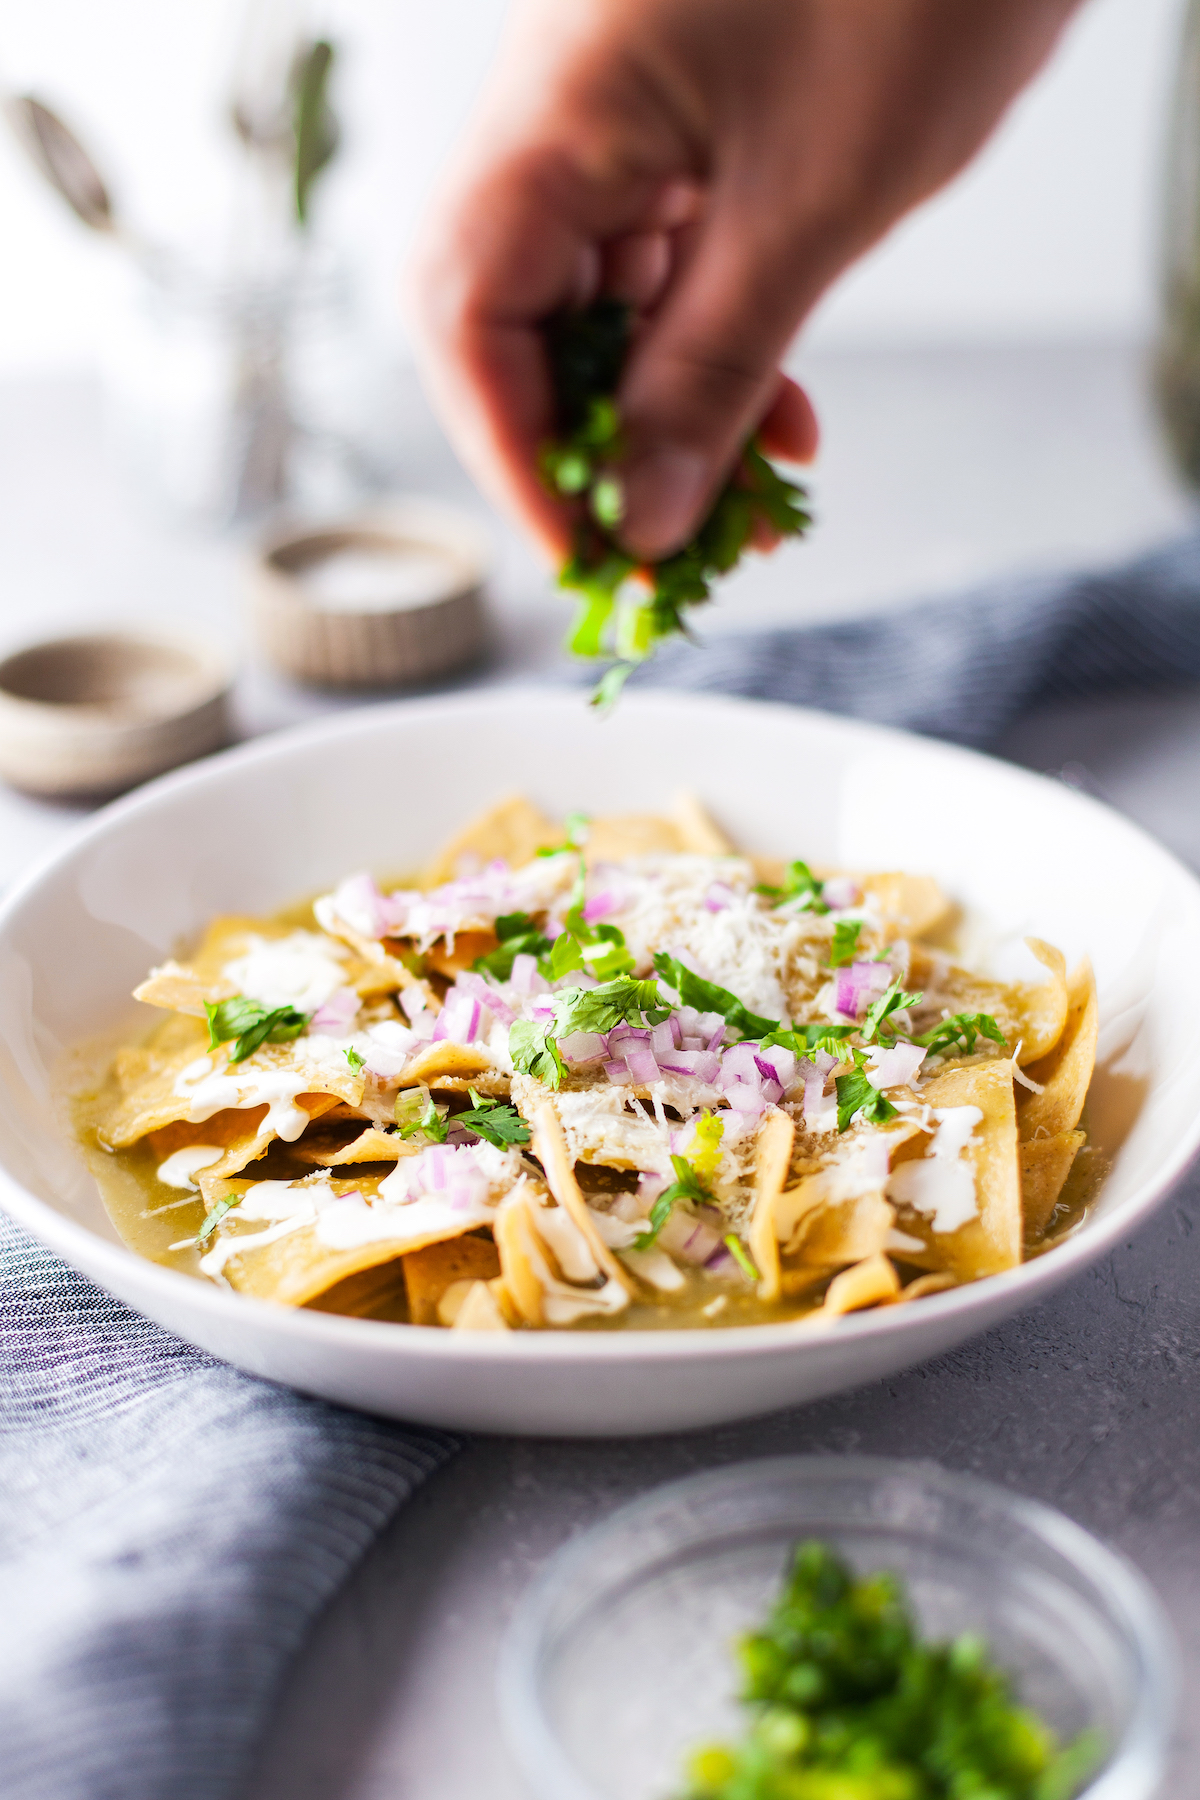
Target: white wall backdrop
(1051, 234)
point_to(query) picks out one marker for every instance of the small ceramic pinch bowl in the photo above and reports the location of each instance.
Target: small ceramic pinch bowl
(620, 1659)
(385, 599)
(87, 717)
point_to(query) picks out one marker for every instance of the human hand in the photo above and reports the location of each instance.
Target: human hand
(717, 163)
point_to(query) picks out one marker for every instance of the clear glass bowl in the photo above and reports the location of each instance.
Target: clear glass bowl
(619, 1659)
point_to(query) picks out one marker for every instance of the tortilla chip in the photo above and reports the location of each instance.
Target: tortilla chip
(1045, 1165)
(775, 1138)
(376, 1293)
(615, 838)
(468, 947)
(549, 1145)
(184, 985)
(149, 1101)
(373, 1145)
(479, 1309)
(698, 835)
(1064, 1075)
(911, 904)
(832, 1233)
(1042, 1006)
(445, 1059)
(513, 1232)
(429, 1272)
(512, 830)
(873, 1282)
(939, 1282)
(992, 1241)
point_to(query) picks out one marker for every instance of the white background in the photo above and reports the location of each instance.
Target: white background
(1051, 234)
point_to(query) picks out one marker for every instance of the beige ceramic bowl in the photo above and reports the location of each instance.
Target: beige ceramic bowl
(91, 716)
(385, 599)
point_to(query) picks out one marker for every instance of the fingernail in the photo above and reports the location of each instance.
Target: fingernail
(664, 491)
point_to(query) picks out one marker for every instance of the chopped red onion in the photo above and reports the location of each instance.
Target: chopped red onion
(688, 1237)
(662, 1039)
(745, 1099)
(897, 1066)
(702, 1065)
(598, 906)
(424, 1025)
(719, 897)
(333, 1018)
(583, 1046)
(460, 1018)
(839, 892)
(642, 1065)
(740, 1064)
(781, 1063)
(718, 1037)
(618, 1072)
(487, 996)
(858, 985)
(676, 1030)
(619, 1033)
(389, 1046)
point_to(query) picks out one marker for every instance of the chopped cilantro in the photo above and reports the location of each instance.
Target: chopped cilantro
(417, 1116)
(737, 1250)
(849, 1703)
(599, 949)
(845, 942)
(894, 1000)
(519, 936)
(575, 828)
(354, 1059)
(587, 350)
(496, 1121)
(686, 1186)
(534, 1050)
(706, 996)
(213, 1219)
(855, 1095)
(806, 1040)
(622, 1001)
(251, 1024)
(799, 883)
(960, 1032)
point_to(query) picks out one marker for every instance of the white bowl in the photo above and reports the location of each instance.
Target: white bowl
(258, 826)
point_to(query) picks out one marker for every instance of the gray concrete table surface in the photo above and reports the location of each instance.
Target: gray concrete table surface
(940, 468)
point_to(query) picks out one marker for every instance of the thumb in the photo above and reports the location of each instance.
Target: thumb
(704, 372)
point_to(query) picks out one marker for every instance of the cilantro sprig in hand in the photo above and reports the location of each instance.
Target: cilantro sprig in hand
(582, 463)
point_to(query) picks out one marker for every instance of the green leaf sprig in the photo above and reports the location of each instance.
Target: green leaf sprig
(213, 1219)
(418, 1116)
(799, 884)
(960, 1032)
(587, 351)
(846, 934)
(856, 1096)
(494, 1120)
(876, 1025)
(687, 1186)
(250, 1024)
(706, 996)
(519, 936)
(534, 1050)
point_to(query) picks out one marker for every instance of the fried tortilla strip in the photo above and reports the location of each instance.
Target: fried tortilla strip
(518, 1252)
(1042, 1006)
(252, 1143)
(376, 1293)
(468, 947)
(1045, 1165)
(513, 830)
(834, 1233)
(912, 905)
(873, 1282)
(479, 1309)
(443, 1060)
(549, 1145)
(184, 986)
(1064, 1075)
(992, 1241)
(939, 1282)
(429, 1272)
(538, 1294)
(373, 1145)
(775, 1138)
(698, 834)
(621, 836)
(149, 1078)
